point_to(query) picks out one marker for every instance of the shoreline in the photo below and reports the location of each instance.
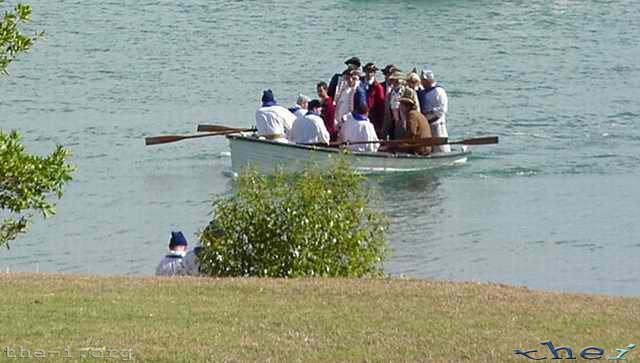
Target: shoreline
(401, 277)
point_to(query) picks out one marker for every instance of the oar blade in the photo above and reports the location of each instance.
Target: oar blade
(212, 128)
(165, 139)
(154, 140)
(479, 141)
(220, 128)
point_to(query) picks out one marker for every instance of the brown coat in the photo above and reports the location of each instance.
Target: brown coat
(417, 128)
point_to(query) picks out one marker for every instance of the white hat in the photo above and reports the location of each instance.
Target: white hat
(427, 74)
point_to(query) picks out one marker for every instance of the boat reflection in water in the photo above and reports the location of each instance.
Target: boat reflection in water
(413, 204)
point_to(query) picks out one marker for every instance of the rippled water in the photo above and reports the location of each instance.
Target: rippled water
(553, 206)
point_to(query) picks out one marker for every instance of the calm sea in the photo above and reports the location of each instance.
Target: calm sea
(554, 206)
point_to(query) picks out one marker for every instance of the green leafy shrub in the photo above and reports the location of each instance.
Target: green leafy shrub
(26, 182)
(314, 223)
(12, 40)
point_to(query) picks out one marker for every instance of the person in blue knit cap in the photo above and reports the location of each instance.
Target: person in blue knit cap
(172, 263)
(272, 120)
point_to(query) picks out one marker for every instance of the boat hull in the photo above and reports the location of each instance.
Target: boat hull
(267, 156)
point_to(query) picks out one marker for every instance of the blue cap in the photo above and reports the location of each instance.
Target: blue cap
(177, 239)
(267, 98)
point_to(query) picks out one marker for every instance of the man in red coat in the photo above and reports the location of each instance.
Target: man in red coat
(375, 97)
(328, 110)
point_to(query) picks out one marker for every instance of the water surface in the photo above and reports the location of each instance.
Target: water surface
(553, 206)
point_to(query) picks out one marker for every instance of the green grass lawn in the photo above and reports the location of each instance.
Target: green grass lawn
(390, 320)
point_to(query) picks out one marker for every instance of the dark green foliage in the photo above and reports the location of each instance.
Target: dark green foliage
(313, 223)
(12, 41)
(25, 183)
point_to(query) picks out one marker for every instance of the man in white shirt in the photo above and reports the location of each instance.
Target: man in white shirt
(357, 127)
(310, 129)
(434, 104)
(172, 263)
(273, 121)
(345, 95)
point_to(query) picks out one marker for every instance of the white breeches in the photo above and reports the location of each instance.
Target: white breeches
(439, 129)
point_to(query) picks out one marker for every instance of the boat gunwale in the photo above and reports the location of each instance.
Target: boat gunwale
(380, 154)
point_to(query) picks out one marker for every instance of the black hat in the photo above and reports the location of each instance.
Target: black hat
(353, 60)
(389, 69)
(370, 67)
(314, 104)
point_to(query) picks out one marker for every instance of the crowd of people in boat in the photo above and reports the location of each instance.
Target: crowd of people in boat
(354, 107)
(357, 110)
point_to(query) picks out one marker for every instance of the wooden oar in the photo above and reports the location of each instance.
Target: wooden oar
(477, 141)
(217, 128)
(165, 139)
(430, 141)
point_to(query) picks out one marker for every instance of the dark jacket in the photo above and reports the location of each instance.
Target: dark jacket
(333, 84)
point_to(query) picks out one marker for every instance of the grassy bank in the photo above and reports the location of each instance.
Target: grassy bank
(164, 319)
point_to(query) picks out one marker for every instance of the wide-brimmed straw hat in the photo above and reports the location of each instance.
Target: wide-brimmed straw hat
(408, 96)
(397, 74)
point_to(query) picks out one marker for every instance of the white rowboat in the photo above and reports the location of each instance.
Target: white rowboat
(267, 156)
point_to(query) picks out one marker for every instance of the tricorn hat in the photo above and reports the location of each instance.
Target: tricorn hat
(370, 67)
(353, 60)
(389, 69)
